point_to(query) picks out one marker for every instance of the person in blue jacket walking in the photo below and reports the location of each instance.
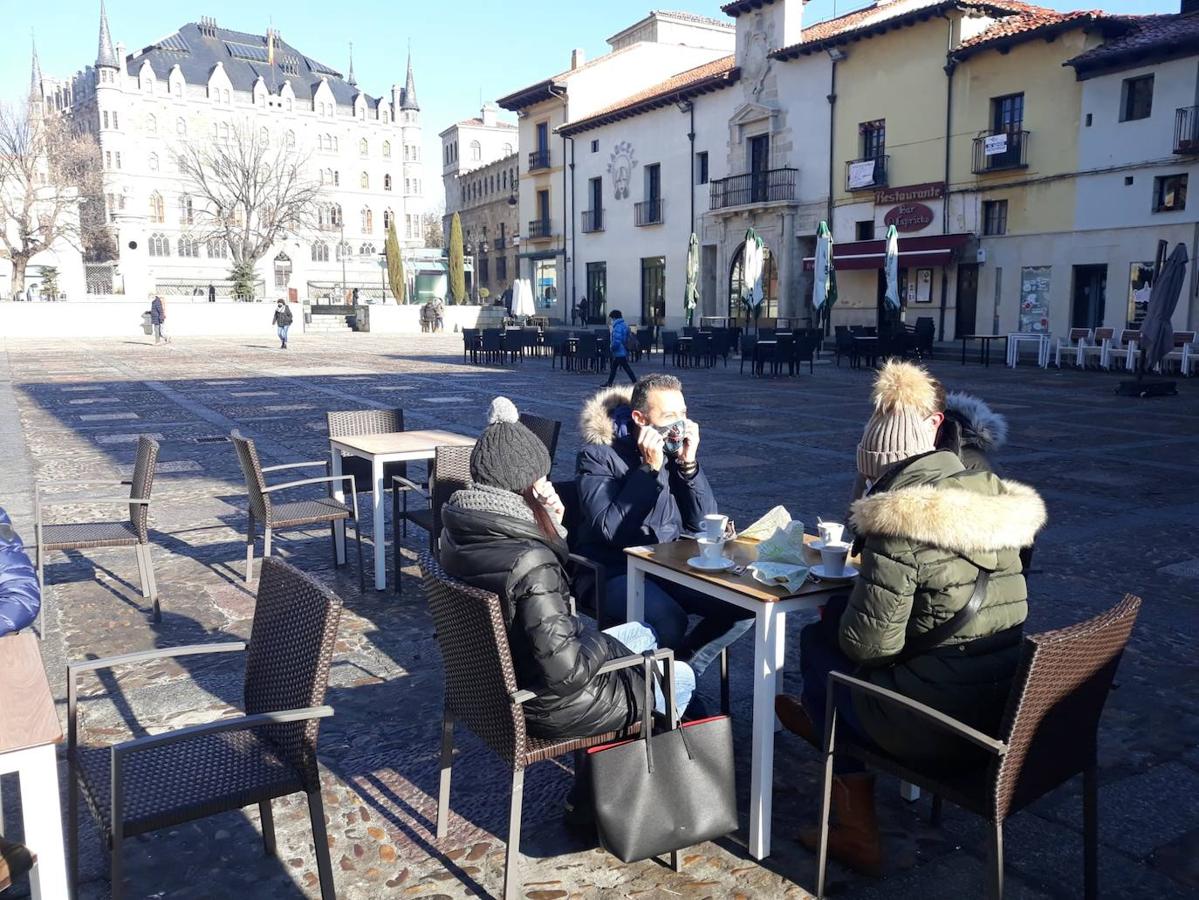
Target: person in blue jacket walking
(620, 348)
(20, 598)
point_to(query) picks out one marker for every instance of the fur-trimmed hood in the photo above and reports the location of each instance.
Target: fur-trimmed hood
(981, 426)
(597, 422)
(952, 515)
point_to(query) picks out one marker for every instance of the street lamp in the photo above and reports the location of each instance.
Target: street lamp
(341, 251)
(383, 276)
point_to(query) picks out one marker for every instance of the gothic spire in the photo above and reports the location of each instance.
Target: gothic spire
(105, 55)
(350, 78)
(35, 76)
(409, 100)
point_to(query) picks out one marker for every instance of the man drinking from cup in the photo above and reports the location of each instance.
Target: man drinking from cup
(640, 482)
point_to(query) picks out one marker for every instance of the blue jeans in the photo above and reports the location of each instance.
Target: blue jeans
(282, 329)
(819, 654)
(639, 638)
(667, 607)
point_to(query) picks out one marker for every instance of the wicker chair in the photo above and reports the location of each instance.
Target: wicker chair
(481, 692)
(546, 429)
(91, 535)
(373, 421)
(162, 780)
(449, 472)
(291, 515)
(1049, 733)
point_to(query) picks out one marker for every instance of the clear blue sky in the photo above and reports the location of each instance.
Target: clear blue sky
(462, 50)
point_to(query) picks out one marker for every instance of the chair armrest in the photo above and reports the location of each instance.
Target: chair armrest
(99, 501)
(948, 723)
(600, 575)
(406, 484)
(300, 465)
(234, 723)
(109, 481)
(612, 665)
(303, 481)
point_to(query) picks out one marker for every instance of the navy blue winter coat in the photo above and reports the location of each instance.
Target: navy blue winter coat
(20, 598)
(624, 504)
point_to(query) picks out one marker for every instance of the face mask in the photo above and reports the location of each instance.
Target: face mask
(672, 435)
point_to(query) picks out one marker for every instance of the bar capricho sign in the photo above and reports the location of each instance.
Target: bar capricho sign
(912, 193)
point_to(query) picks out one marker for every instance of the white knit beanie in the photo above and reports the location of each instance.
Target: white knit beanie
(904, 396)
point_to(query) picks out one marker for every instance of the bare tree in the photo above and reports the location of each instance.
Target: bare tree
(431, 229)
(251, 193)
(45, 170)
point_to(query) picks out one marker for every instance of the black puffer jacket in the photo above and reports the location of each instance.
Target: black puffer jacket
(555, 655)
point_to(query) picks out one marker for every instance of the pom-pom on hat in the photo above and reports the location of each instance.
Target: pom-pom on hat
(904, 396)
(508, 455)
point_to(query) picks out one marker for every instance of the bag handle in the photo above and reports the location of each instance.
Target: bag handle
(652, 676)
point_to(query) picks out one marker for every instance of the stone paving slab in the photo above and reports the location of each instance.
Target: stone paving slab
(1122, 511)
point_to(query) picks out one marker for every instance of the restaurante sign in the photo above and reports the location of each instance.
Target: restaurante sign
(908, 217)
(912, 193)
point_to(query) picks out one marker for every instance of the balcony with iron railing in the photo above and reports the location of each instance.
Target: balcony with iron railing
(539, 159)
(501, 243)
(539, 229)
(593, 220)
(999, 151)
(1186, 130)
(648, 212)
(860, 176)
(765, 186)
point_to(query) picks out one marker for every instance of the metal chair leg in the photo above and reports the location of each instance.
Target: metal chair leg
(447, 766)
(333, 541)
(268, 826)
(266, 542)
(395, 532)
(358, 545)
(320, 840)
(72, 827)
(250, 549)
(512, 858)
(115, 873)
(153, 581)
(995, 889)
(826, 801)
(141, 571)
(934, 816)
(1090, 831)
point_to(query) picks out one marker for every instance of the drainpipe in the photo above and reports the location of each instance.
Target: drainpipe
(832, 108)
(688, 106)
(560, 93)
(573, 211)
(950, 68)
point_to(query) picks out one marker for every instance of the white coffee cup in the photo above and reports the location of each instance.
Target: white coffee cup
(711, 549)
(830, 532)
(714, 526)
(832, 557)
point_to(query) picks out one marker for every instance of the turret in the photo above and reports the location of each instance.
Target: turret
(106, 56)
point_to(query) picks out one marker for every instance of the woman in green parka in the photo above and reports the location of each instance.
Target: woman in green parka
(926, 529)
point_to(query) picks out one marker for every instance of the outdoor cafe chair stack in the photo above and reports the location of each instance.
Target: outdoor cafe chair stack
(1101, 341)
(1184, 348)
(93, 535)
(1078, 340)
(1049, 734)
(1128, 350)
(162, 780)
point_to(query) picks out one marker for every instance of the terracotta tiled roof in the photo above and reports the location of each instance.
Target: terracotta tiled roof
(1133, 38)
(1026, 26)
(885, 14)
(685, 16)
(710, 76)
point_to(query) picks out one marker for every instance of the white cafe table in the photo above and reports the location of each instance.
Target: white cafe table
(1040, 338)
(770, 607)
(29, 733)
(380, 449)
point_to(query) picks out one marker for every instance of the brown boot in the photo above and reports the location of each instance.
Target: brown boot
(854, 839)
(15, 860)
(795, 718)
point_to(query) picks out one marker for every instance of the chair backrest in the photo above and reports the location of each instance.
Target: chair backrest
(670, 341)
(1182, 338)
(1058, 694)
(1130, 334)
(568, 493)
(480, 678)
(766, 334)
(493, 339)
(451, 472)
(588, 345)
(546, 429)
(364, 421)
(701, 344)
(748, 342)
(844, 340)
(1104, 334)
(287, 662)
(690, 332)
(1079, 334)
(805, 346)
(251, 468)
(140, 485)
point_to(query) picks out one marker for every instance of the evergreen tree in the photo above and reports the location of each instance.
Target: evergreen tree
(457, 262)
(395, 265)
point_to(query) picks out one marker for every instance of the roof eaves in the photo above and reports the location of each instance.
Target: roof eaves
(743, 6)
(1044, 31)
(527, 96)
(707, 85)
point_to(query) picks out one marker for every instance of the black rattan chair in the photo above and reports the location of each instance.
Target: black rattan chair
(748, 345)
(481, 693)
(92, 535)
(546, 429)
(163, 780)
(470, 344)
(449, 472)
(1049, 735)
(806, 347)
(291, 515)
(373, 421)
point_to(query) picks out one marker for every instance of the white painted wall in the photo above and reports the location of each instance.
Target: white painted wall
(122, 318)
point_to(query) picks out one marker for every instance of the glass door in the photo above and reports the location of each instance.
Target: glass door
(653, 290)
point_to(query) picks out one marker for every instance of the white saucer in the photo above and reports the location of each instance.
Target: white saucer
(705, 565)
(818, 545)
(850, 573)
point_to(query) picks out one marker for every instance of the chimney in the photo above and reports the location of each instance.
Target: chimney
(578, 56)
(488, 115)
(121, 58)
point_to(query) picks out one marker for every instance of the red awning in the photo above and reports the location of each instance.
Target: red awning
(933, 250)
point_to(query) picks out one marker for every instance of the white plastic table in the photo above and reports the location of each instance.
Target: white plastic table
(1017, 337)
(379, 449)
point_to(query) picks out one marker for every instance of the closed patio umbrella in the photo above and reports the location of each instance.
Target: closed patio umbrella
(891, 265)
(1157, 334)
(691, 286)
(522, 299)
(824, 289)
(752, 263)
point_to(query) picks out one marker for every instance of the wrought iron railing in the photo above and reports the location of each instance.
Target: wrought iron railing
(1186, 130)
(593, 220)
(859, 168)
(539, 228)
(648, 212)
(539, 159)
(1000, 150)
(765, 186)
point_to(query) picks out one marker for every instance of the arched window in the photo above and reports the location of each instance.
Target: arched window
(290, 138)
(264, 136)
(364, 181)
(185, 210)
(366, 250)
(507, 149)
(226, 95)
(152, 124)
(335, 144)
(335, 215)
(344, 251)
(320, 252)
(387, 182)
(503, 181)
(384, 116)
(180, 126)
(327, 142)
(363, 147)
(386, 145)
(217, 248)
(158, 213)
(189, 247)
(225, 132)
(368, 220)
(336, 177)
(153, 162)
(388, 216)
(160, 245)
(770, 285)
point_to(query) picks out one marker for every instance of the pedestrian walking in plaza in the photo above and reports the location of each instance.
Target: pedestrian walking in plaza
(584, 309)
(619, 343)
(282, 321)
(211, 293)
(438, 314)
(158, 318)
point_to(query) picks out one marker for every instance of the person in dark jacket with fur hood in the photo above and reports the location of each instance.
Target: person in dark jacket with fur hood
(504, 535)
(972, 430)
(20, 598)
(927, 530)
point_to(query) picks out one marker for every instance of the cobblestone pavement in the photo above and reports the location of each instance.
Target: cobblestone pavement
(1119, 476)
